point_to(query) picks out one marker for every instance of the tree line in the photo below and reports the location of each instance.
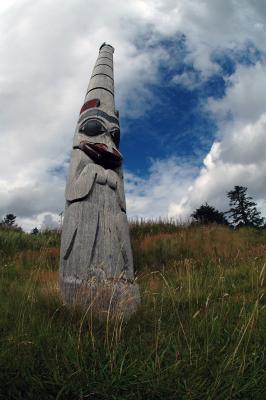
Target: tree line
(242, 212)
(9, 222)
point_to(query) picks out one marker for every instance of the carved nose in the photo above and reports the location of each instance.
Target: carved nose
(116, 152)
(103, 146)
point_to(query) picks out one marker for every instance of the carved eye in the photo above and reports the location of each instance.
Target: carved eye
(115, 133)
(92, 127)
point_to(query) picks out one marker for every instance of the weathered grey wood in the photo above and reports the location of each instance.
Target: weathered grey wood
(96, 264)
(101, 81)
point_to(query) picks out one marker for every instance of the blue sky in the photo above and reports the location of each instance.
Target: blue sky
(177, 124)
(190, 80)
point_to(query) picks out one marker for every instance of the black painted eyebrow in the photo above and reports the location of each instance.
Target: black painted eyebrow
(96, 112)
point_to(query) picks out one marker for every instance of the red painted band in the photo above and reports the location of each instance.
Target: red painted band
(90, 104)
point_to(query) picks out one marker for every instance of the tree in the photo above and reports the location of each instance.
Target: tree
(243, 211)
(35, 231)
(9, 220)
(9, 223)
(207, 214)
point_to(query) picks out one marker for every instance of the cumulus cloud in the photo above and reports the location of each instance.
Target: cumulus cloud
(47, 53)
(166, 183)
(239, 156)
(245, 97)
(42, 221)
(189, 79)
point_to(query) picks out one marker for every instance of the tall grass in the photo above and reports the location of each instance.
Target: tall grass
(13, 241)
(203, 244)
(199, 333)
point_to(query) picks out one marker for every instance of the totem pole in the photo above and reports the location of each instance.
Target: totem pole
(96, 265)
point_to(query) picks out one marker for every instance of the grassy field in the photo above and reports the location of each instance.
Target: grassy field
(200, 332)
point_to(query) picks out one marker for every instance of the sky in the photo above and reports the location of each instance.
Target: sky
(190, 86)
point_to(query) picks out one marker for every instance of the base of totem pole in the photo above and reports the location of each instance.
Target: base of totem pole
(110, 298)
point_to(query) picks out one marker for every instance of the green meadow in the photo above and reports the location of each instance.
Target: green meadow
(200, 332)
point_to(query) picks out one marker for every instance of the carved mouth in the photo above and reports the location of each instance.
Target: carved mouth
(101, 155)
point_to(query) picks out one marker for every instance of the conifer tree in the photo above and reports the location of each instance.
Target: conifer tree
(207, 214)
(9, 219)
(243, 211)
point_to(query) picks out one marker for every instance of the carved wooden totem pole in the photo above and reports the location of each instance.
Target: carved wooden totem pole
(96, 265)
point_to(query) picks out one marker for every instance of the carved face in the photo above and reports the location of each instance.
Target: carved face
(98, 135)
(95, 127)
(99, 140)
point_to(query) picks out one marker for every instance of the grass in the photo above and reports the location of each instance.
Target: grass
(200, 332)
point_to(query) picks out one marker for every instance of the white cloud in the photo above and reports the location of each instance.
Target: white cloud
(189, 79)
(42, 221)
(47, 52)
(245, 97)
(166, 183)
(239, 157)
